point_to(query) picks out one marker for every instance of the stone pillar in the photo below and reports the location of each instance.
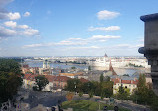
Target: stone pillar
(150, 49)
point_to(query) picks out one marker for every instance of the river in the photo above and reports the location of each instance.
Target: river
(119, 71)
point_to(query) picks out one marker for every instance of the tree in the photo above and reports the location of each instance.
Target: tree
(41, 82)
(87, 87)
(90, 94)
(101, 78)
(73, 68)
(10, 79)
(141, 81)
(73, 85)
(123, 93)
(80, 94)
(107, 78)
(69, 96)
(89, 68)
(143, 94)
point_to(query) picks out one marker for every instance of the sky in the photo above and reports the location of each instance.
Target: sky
(73, 27)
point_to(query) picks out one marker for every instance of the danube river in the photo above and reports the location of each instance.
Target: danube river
(119, 71)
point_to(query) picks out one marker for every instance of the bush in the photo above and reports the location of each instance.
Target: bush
(69, 96)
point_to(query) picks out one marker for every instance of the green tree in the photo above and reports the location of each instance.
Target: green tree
(107, 78)
(123, 93)
(89, 68)
(90, 94)
(41, 82)
(143, 94)
(80, 94)
(74, 85)
(101, 78)
(141, 81)
(107, 88)
(87, 87)
(10, 79)
(73, 67)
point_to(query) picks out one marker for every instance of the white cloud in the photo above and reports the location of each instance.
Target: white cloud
(111, 28)
(23, 26)
(32, 45)
(14, 16)
(70, 43)
(75, 41)
(129, 46)
(122, 45)
(10, 24)
(13, 24)
(88, 47)
(105, 14)
(6, 32)
(26, 14)
(4, 14)
(30, 32)
(101, 37)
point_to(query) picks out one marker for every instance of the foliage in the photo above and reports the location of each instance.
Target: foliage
(69, 96)
(87, 87)
(73, 67)
(107, 78)
(90, 94)
(134, 65)
(84, 105)
(101, 78)
(41, 82)
(89, 68)
(73, 85)
(144, 94)
(105, 88)
(10, 78)
(80, 94)
(123, 93)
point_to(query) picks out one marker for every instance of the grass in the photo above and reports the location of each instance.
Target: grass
(84, 105)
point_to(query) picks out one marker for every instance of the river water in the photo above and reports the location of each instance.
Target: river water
(119, 71)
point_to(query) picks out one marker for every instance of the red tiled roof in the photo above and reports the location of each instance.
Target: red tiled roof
(50, 78)
(118, 80)
(29, 77)
(83, 80)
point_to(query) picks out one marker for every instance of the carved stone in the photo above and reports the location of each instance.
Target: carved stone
(150, 49)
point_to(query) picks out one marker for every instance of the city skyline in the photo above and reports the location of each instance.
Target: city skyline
(72, 28)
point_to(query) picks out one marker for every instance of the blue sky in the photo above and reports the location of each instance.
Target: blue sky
(72, 27)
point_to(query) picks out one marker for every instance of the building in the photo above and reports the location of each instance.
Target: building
(72, 74)
(55, 82)
(126, 82)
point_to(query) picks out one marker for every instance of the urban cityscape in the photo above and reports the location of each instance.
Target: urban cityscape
(78, 55)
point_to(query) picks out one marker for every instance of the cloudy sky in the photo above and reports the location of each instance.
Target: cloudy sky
(73, 27)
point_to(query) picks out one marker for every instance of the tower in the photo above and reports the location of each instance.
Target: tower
(111, 68)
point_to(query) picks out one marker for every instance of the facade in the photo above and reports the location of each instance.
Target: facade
(55, 82)
(126, 83)
(72, 75)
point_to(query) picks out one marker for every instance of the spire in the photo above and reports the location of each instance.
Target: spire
(111, 68)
